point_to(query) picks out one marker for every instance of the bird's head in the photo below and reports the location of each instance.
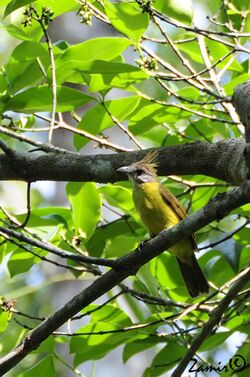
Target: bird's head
(142, 171)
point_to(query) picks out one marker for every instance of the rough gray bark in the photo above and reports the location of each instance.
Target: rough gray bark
(241, 102)
(224, 160)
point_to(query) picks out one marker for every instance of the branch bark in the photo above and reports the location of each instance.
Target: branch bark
(223, 160)
(128, 265)
(241, 102)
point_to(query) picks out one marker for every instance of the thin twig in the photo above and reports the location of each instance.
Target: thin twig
(45, 259)
(197, 30)
(181, 107)
(101, 141)
(39, 146)
(56, 250)
(26, 220)
(228, 237)
(228, 106)
(185, 62)
(215, 318)
(120, 125)
(177, 73)
(89, 312)
(163, 41)
(53, 78)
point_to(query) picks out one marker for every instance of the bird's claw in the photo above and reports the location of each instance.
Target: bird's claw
(140, 246)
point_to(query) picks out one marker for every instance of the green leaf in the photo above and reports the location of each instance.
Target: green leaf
(91, 56)
(177, 9)
(40, 99)
(3, 83)
(166, 271)
(189, 92)
(4, 320)
(240, 323)
(16, 4)
(219, 271)
(120, 245)
(244, 5)
(85, 201)
(118, 196)
(128, 18)
(145, 279)
(4, 3)
(244, 352)
(215, 6)
(148, 115)
(93, 49)
(231, 251)
(96, 346)
(165, 360)
(24, 66)
(108, 70)
(217, 52)
(109, 313)
(31, 33)
(105, 234)
(53, 213)
(192, 49)
(46, 346)
(21, 261)
(60, 7)
(231, 85)
(6, 249)
(214, 341)
(201, 197)
(46, 217)
(244, 258)
(243, 236)
(27, 51)
(97, 119)
(102, 66)
(45, 367)
(30, 76)
(118, 80)
(137, 346)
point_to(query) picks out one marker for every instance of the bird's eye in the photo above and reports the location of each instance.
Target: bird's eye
(140, 172)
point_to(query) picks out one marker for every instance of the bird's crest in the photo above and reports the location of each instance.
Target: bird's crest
(147, 163)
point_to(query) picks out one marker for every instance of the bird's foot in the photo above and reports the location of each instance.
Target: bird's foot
(140, 246)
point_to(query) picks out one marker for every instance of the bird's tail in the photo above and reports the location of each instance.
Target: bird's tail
(193, 276)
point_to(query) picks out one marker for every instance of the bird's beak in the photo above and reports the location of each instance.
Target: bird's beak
(125, 169)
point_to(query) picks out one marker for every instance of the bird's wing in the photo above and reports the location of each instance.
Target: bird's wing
(174, 204)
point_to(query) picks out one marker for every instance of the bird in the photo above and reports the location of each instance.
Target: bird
(159, 209)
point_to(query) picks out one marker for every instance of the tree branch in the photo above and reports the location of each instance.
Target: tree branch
(128, 265)
(223, 160)
(215, 318)
(55, 250)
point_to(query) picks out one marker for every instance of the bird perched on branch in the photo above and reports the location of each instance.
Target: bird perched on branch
(159, 209)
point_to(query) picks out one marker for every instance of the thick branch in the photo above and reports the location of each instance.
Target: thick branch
(223, 160)
(128, 265)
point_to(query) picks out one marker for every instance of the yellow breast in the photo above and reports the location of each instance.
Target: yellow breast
(155, 213)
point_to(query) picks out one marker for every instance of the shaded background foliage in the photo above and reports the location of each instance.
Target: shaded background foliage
(157, 74)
